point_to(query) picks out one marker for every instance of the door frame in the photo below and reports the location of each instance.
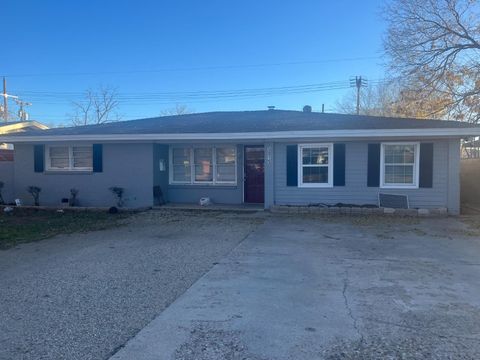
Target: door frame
(244, 173)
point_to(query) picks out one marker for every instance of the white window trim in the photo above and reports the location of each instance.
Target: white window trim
(70, 168)
(192, 181)
(328, 184)
(416, 167)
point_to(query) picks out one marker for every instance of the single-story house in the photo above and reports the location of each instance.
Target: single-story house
(270, 157)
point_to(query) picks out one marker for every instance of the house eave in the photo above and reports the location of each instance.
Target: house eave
(9, 128)
(274, 135)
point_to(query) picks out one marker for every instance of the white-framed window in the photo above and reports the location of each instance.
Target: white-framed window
(399, 165)
(315, 165)
(203, 165)
(180, 166)
(69, 157)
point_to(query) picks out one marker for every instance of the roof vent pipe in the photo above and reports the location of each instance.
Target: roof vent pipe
(307, 109)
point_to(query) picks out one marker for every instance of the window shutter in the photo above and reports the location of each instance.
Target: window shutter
(373, 177)
(97, 157)
(426, 165)
(292, 165)
(39, 158)
(338, 164)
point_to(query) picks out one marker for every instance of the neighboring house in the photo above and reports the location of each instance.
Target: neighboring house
(270, 157)
(7, 153)
(19, 126)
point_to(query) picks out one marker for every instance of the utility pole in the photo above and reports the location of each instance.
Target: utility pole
(22, 114)
(358, 82)
(5, 100)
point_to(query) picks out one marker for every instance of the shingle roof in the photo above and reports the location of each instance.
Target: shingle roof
(250, 121)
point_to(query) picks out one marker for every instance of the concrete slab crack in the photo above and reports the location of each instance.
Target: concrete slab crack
(348, 308)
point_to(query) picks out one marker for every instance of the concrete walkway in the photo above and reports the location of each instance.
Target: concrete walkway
(302, 288)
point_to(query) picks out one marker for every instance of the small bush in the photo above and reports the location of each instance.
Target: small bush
(73, 197)
(2, 202)
(118, 192)
(35, 192)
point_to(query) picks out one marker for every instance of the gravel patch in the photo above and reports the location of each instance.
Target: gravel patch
(207, 342)
(82, 296)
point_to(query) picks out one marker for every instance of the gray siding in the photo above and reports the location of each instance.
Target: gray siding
(219, 194)
(6, 176)
(355, 190)
(125, 165)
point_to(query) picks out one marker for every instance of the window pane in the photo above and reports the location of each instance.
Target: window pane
(59, 163)
(226, 155)
(59, 151)
(226, 173)
(203, 164)
(203, 172)
(181, 173)
(315, 174)
(181, 156)
(399, 174)
(399, 154)
(59, 157)
(82, 157)
(315, 156)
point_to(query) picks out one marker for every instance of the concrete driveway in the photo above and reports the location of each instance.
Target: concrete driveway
(82, 296)
(330, 288)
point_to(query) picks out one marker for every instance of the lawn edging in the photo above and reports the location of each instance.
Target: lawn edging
(346, 210)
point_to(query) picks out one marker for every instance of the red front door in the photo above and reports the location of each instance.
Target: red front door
(254, 185)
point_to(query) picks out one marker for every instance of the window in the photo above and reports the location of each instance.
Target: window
(315, 165)
(181, 169)
(399, 165)
(203, 165)
(226, 164)
(70, 158)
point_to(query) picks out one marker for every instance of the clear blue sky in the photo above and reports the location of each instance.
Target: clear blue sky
(56, 49)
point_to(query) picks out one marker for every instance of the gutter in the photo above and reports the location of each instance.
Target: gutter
(274, 135)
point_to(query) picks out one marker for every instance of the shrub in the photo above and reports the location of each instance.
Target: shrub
(2, 202)
(73, 197)
(118, 192)
(35, 192)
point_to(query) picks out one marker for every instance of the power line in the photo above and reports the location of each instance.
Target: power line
(45, 97)
(52, 97)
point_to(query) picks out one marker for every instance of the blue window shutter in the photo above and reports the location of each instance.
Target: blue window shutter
(426, 165)
(292, 165)
(373, 177)
(39, 158)
(338, 164)
(97, 158)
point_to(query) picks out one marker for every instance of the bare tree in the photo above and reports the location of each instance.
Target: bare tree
(393, 98)
(374, 100)
(437, 43)
(97, 107)
(177, 110)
